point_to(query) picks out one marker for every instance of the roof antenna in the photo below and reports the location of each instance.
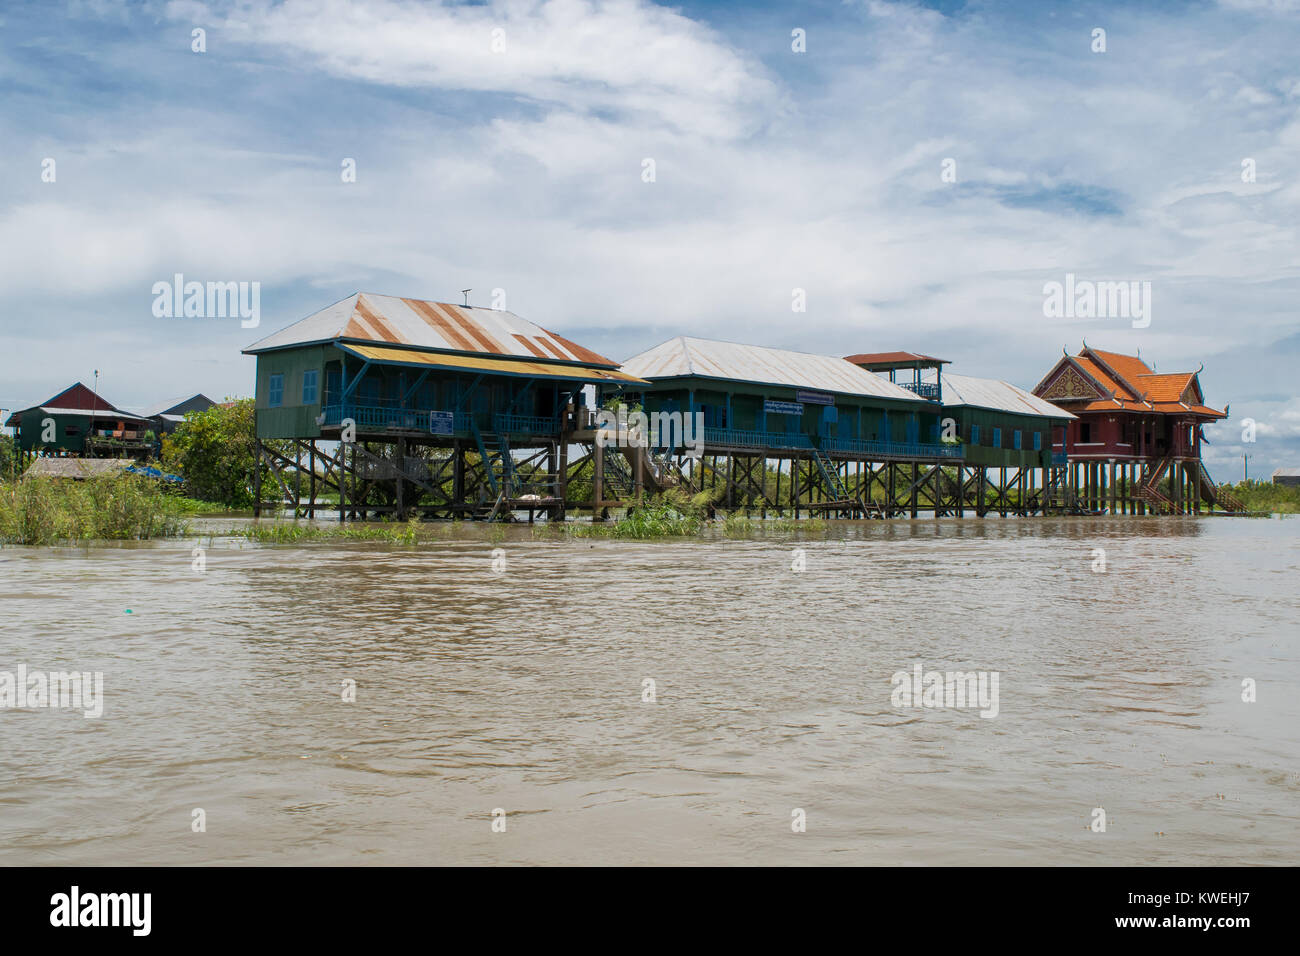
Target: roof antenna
(465, 293)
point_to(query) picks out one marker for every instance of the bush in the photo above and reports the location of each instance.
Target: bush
(46, 511)
(215, 452)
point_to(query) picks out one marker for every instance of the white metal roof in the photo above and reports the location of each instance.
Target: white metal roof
(997, 395)
(100, 412)
(1287, 473)
(756, 363)
(419, 323)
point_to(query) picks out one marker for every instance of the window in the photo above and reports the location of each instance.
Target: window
(275, 392)
(1015, 439)
(1038, 441)
(715, 416)
(309, 386)
(974, 434)
(1085, 433)
(997, 438)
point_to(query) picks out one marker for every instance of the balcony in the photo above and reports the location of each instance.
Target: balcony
(526, 425)
(892, 449)
(387, 418)
(739, 438)
(928, 390)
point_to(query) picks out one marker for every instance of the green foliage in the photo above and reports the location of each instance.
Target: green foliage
(215, 451)
(52, 510)
(737, 525)
(291, 532)
(1266, 496)
(8, 457)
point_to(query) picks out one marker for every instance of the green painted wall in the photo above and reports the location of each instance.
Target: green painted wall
(30, 431)
(1005, 457)
(292, 419)
(747, 410)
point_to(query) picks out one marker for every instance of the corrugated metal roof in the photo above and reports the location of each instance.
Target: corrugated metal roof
(167, 408)
(418, 323)
(887, 359)
(100, 412)
(1287, 473)
(997, 395)
(707, 358)
(379, 353)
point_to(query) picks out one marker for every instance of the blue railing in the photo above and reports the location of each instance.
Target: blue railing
(924, 389)
(386, 416)
(892, 449)
(740, 438)
(526, 425)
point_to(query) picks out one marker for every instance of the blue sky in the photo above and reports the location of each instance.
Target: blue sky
(522, 170)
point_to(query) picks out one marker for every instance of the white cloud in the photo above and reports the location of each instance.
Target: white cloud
(635, 58)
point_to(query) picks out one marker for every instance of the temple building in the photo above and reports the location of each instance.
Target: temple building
(1135, 440)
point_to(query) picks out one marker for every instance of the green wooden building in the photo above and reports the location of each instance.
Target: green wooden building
(77, 421)
(1000, 425)
(763, 400)
(381, 370)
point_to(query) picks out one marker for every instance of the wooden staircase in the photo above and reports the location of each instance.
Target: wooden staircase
(1216, 494)
(1148, 489)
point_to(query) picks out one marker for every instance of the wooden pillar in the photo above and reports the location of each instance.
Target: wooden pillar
(311, 480)
(341, 479)
(400, 479)
(777, 498)
(562, 476)
(457, 476)
(597, 482)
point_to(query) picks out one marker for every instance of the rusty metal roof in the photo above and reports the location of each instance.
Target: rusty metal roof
(887, 360)
(706, 358)
(995, 394)
(422, 324)
(503, 366)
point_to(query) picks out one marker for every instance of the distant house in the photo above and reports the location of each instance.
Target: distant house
(77, 421)
(166, 417)
(1287, 476)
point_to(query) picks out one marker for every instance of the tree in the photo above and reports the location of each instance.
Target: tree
(8, 456)
(215, 452)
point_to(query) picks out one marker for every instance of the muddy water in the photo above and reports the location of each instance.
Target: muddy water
(523, 691)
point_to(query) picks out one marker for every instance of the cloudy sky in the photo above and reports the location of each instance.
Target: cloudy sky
(503, 145)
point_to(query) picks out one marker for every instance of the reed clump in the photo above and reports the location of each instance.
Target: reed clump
(45, 511)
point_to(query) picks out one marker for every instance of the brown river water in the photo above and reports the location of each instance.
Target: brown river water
(523, 690)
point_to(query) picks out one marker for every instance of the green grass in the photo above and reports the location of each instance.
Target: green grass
(45, 511)
(1266, 496)
(291, 532)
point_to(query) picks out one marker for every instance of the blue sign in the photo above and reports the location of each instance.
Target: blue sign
(815, 398)
(442, 423)
(782, 408)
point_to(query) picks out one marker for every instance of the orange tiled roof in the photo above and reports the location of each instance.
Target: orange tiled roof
(1123, 374)
(1168, 387)
(1127, 367)
(1103, 378)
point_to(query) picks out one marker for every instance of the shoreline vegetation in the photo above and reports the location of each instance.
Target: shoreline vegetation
(51, 511)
